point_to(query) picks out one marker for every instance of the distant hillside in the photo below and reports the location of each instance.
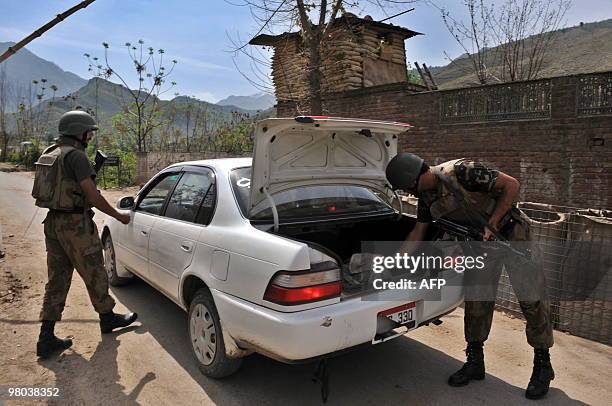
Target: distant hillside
(259, 101)
(112, 96)
(24, 66)
(581, 49)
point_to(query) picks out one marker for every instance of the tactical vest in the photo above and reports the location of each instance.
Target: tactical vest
(442, 202)
(53, 189)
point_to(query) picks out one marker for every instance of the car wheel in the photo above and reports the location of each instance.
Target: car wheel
(110, 264)
(207, 339)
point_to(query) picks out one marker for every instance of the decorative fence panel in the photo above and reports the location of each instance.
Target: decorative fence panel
(516, 101)
(594, 95)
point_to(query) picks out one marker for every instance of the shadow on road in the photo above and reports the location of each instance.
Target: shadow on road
(76, 375)
(402, 371)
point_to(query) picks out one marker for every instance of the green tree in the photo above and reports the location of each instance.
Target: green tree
(140, 115)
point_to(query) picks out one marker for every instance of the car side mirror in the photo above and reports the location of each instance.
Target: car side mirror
(126, 203)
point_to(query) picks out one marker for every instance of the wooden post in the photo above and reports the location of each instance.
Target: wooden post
(422, 76)
(433, 82)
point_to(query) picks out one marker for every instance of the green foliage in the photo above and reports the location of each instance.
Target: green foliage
(235, 140)
(415, 78)
(13, 157)
(113, 144)
(127, 123)
(26, 155)
(31, 155)
(413, 75)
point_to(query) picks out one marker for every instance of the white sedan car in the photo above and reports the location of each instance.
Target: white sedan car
(256, 250)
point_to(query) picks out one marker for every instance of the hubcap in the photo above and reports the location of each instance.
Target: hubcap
(203, 334)
(109, 258)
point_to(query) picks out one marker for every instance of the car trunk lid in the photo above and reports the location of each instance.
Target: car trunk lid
(305, 151)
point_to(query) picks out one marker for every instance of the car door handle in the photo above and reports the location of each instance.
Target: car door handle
(186, 246)
(143, 232)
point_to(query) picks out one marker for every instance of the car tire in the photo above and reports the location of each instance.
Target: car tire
(206, 337)
(110, 264)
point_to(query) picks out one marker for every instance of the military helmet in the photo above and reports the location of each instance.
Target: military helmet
(75, 123)
(404, 170)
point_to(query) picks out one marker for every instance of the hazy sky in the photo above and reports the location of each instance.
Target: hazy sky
(195, 32)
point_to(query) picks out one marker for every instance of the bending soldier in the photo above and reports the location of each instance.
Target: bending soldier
(490, 192)
(64, 183)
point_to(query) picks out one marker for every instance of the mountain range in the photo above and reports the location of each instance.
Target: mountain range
(105, 99)
(258, 101)
(581, 49)
(24, 67)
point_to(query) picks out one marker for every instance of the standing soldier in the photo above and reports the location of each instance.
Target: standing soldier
(64, 183)
(491, 193)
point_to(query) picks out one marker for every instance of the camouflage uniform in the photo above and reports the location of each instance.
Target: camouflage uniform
(72, 241)
(476, 181)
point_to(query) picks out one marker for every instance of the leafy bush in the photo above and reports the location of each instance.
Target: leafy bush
(14, 157)
(30, 155)
(112, 145)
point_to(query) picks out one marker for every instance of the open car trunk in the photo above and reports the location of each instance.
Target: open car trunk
(341, 239)
(329, 168)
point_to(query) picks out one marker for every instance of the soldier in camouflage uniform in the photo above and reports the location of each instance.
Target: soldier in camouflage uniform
(491, 193)
(64, 183)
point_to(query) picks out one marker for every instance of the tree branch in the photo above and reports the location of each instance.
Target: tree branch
(59, 18)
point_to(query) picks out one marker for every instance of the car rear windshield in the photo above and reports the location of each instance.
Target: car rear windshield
(308, 201)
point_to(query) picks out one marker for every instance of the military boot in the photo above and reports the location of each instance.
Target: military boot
(474, 367)
(110, 321)
(48, 343)
(541, 376)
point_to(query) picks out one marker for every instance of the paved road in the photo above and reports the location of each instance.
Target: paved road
(152, 363)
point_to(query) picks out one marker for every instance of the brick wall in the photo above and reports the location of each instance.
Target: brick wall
(564, 159)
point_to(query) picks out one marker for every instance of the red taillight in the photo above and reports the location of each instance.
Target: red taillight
(293, 288)
(295, 296)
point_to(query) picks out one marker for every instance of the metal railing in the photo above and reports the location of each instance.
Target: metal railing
(594, 95)
(507, 102)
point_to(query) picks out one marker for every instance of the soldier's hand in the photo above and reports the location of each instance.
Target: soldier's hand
(487, 235)
(124, 218)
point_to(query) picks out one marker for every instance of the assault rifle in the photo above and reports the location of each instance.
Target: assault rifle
(460, 232)
(463, 233)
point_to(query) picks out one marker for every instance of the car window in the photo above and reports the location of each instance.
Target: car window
(154, 199)
(193, 198)
(308, 201)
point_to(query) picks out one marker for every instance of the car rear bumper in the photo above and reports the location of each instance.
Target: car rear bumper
(307, 334)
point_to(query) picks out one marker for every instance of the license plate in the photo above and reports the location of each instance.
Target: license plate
(403, 315)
